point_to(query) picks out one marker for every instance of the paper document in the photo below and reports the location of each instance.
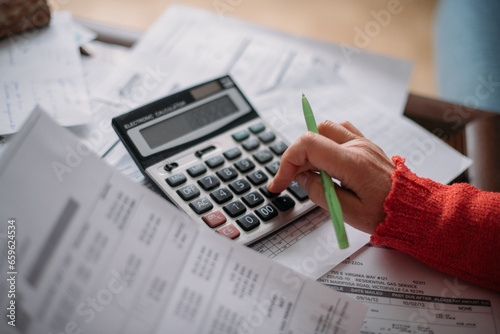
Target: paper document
(42, 67)
(93, 252)
(406, 296)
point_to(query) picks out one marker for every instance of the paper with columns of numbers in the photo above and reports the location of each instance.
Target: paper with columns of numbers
(406, 296)
(97, 253)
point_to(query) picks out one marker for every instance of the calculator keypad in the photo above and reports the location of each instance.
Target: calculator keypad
(226, 187)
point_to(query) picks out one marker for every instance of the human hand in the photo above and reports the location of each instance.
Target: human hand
(363, 169)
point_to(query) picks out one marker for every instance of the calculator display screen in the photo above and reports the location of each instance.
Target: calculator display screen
(190, 120)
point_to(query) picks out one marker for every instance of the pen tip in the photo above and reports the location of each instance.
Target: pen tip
(303, 95)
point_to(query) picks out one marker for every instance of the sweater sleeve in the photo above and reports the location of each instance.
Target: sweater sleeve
(452, 228)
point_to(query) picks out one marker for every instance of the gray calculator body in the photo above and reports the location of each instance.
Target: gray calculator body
(210, 153)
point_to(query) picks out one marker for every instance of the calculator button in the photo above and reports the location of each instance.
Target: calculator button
(278, 148)
(176, 179)
(250, 144)
(209, 182)
(215, 218)
(188, 192)
(266, 212)
(234, 208)
(263, 156)
(244, 165)
(232, 153)
(196, 170)
(267, 137)
(248, 222)
(297, 191)
(215, 161)
(257, 177)
(229, 231)
(240, 135)
(284, 202)
(240, 186)
(227, 174)
(257, 127)
(267, 193)
(253, 199)
(201, 205)
(273, 167)
(221, 195)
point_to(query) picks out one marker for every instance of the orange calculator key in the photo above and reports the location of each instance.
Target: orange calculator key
(229, 231)
(214, 218)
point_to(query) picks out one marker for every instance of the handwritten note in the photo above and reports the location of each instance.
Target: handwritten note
(42, 67)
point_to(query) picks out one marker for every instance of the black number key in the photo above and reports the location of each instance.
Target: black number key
(297, 191)
(273, 167)
(267, 193)
(253, 199)
(176, 179)
(244, 165)
(215, 161)
(234, 208)
(284, 202)
(266, 212)
(263, 156)
(248, 222)
(227, 174)
(240, 186)
(201, 205)
(221, 195)
(257, 177)
(196, 170)
(209, 182)
(188, 192)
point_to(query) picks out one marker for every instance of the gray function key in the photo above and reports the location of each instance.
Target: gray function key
(273, 167)
(278, 148)
(188, 192)
(215, 161)
(263, 156)
(196, 170)
(267, 137)
(232, 153)
(176, 179)
(257, 127)
(201, 205)
(250, 144)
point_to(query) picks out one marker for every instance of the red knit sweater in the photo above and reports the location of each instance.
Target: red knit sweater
(453, 228)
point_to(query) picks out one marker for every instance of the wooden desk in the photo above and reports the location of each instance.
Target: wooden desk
(473, 132)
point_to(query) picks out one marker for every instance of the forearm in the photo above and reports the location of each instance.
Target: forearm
(455, 229)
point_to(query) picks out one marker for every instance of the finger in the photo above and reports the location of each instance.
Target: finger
(352, 128)
(308, 153)
(336, 132)
(350, 203)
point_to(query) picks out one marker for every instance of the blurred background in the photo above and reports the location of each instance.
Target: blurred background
(407, 34)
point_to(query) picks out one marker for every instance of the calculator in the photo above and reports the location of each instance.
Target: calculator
(211, 154)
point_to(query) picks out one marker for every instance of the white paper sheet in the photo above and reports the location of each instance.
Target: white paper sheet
(96, 253)
(44, 68)
(406, 296)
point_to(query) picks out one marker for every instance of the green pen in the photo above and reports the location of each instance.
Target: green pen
(330, 194)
